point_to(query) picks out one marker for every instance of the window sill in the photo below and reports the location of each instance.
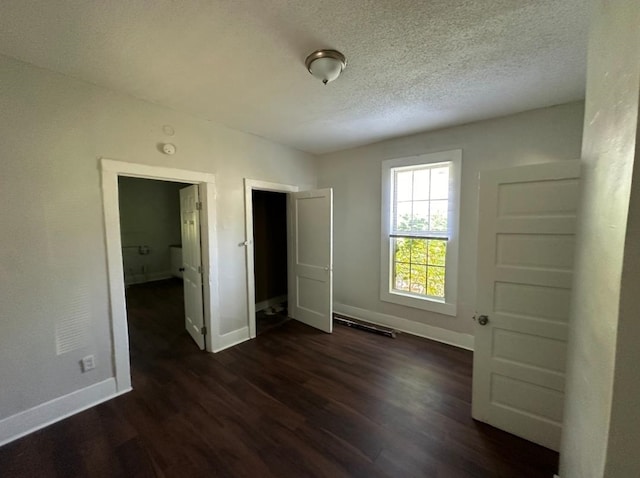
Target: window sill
(432, 305)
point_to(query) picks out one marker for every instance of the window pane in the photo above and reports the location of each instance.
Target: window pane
(403, 216)
(438, 216)
(418, 240)
(440, 183)
(420, 220)
(404, 190)
(402, 250)
(418, 279)
(435, 282)
(401, 276)
(419, 251)
(437, 252)
(421, 179)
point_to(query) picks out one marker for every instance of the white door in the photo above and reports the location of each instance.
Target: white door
(311, 253)
(527, 222)
(192, 263)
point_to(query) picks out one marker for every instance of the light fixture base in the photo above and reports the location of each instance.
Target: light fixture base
(332, 55)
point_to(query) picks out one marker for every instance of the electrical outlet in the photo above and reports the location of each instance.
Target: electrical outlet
(88, 363)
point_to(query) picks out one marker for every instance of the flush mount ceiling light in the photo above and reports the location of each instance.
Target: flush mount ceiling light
(326, 65)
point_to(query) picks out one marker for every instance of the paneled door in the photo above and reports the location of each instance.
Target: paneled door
(311, 253)
(527, 223)
(192, 263)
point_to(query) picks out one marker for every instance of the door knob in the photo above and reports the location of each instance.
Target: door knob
(482, 319)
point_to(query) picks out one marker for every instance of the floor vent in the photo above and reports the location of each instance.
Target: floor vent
(362, 325)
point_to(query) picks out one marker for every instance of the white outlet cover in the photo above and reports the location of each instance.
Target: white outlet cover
(88, 363)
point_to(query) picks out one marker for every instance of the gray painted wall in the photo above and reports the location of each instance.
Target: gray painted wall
(602, 417)
(149, 217)
(53, 258)
(548, 134)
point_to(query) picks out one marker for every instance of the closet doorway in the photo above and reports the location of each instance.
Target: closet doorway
(309, 258)
(270, 258)
(267, 223)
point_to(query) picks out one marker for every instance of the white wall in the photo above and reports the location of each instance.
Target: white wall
(53, 260)
(149, 216)
(602, 416)
(548, 134)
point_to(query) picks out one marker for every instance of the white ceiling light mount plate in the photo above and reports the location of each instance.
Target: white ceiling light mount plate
(326, 65)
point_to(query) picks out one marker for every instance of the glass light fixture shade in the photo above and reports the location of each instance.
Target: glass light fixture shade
(326, 65)
(325, 69)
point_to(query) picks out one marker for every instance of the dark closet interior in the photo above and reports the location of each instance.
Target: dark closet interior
(270, 258)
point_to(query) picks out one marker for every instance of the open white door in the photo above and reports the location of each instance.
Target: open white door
(526, 240)
(311, 257)
(192, 263)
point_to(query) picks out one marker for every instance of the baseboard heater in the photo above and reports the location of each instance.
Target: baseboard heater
(362, 325)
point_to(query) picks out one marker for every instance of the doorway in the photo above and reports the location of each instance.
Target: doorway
(111, 171)
(270, 258)
(150, 230)
(309, 265)
(156, 221)
(268, 301)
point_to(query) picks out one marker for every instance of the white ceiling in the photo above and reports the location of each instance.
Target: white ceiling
(412, 65)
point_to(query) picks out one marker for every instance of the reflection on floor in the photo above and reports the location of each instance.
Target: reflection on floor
(271, 317)
(149, 330)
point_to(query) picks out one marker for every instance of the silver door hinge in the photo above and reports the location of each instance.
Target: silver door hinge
(198, 205)
(203, 330)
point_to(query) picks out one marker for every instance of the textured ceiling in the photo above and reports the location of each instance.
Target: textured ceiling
(412, 65)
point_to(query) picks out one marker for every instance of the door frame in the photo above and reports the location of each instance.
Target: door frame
(110, 170)
(249, 186)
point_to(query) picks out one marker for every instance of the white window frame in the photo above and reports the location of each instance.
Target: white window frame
(448, 306)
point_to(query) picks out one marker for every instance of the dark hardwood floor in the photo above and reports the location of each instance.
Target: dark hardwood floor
(265, 322)
(292, 403)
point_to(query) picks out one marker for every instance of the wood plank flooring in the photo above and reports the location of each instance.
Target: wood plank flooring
(294, 402)
(265, 322)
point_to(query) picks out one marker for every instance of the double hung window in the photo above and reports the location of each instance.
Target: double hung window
(420, 227)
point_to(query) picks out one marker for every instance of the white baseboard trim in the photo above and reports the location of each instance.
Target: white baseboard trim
(22, 423)
(233, 338)
(270, 302)
(151, 277)
(457, 339)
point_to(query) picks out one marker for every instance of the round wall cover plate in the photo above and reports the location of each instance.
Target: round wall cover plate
(169, 148)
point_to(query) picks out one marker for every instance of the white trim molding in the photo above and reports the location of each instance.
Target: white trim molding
(145, 171)
(45, 414)
(449, 337)
(233, 338)
(111, 170)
